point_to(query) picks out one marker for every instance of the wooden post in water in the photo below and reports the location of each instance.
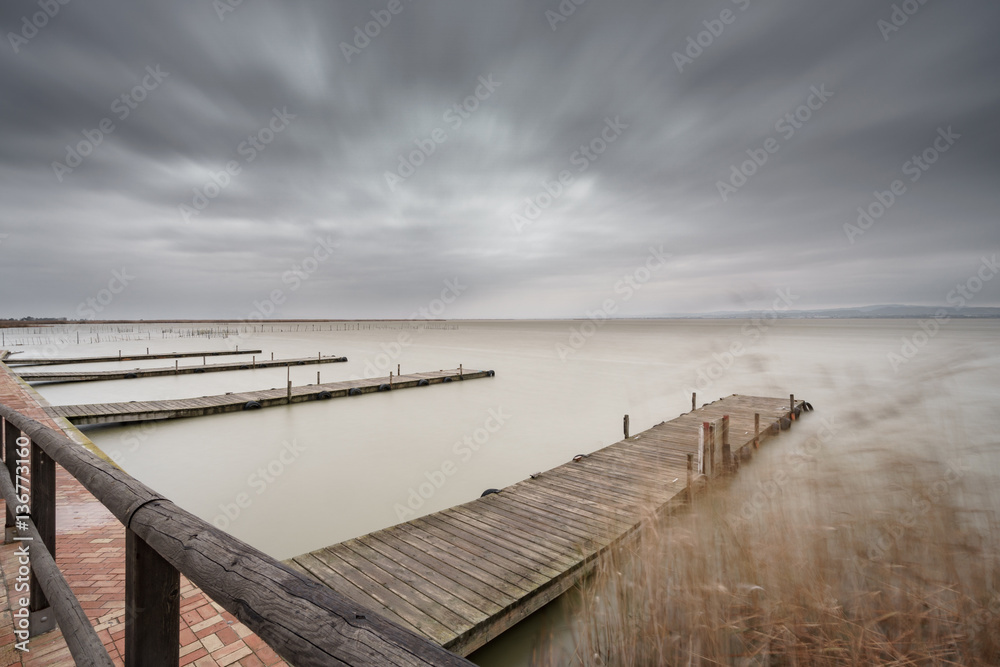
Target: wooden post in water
(727, 454)
(711, 445)
(119, 355)
(272, 354)
(43, 513)
(791, 407)
(694, 399)
(690, 479)
(288, 396)
(390, 378)
(317, 377)
(460, 372)
(397, 370)
(152, 606)
(756, 430)
(625, 425)
(253, 361)
(706, 462)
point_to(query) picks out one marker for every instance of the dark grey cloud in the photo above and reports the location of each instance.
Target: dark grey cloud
(321, 180)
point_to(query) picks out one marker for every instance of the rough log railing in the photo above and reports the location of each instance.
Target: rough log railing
(304, 622)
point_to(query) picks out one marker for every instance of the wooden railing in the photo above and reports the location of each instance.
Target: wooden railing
(304, 622)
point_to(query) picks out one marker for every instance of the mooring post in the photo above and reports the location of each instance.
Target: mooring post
(711, 444)
(625, 425)
(43, 513)
(317, 377)
(147, 351)
(756, 430)
(791, 406)
(253, 361)
(690, 479)
(203, 362)
(119, 355)
(288, 396)
(10, 435)
(460, 372)
(152, 606)
(727, 455)
(272, 354)
(694, 399)
(390, 378)
(397, 370)
(706, 462)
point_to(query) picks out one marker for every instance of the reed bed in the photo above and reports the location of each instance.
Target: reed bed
(869, 557)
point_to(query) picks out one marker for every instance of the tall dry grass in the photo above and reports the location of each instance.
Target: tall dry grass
(867, 557)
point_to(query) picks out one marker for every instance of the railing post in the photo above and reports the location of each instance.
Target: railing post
(152, 606)
(43, 514)
(727, 454)
(625, 426)
(10, 435)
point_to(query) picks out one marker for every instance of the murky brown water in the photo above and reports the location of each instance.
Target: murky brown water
(319, 473)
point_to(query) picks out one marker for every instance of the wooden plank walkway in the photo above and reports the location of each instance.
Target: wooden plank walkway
(20, 361)
(126, 374)
(463, 576)
(105, 413)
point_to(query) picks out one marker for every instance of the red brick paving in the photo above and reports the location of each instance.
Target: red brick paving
(90, 551)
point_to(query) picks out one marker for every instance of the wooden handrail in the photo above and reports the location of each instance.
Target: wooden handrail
(304, 622)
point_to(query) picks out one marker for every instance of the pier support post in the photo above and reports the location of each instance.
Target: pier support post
(756, 430)
(43, 514)
(727, 454)
(10, 435)
(152, 606)
(625, 426)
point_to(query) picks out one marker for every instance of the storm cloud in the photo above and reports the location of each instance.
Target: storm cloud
(355, 156)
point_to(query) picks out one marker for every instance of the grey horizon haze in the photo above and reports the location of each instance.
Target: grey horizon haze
(197, 159)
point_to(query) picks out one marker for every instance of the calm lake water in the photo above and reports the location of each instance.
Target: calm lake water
(334, 470)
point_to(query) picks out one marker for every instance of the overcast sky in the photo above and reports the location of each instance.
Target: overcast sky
(117, 116)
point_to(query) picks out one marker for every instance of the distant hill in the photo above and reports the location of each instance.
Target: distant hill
(861, 312)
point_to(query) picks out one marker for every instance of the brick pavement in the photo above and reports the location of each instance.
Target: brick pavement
(90, 551)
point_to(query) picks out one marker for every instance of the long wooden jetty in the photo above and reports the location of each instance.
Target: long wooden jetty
(135, 411)
(462, 576)
(126, 374)
(54, 361)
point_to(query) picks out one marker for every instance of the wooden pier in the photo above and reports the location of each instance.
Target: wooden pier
(125, 374)
(135, 411)
(462, 576)
(18, 361)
